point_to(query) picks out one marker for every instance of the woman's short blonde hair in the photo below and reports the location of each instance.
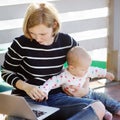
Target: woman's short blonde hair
(41, 13)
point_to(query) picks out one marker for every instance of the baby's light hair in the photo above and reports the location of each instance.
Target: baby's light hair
(76, 54)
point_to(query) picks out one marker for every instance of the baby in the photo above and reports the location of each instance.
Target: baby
(77, 73)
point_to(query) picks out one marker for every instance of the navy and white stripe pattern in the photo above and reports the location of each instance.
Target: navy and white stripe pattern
(34, 63)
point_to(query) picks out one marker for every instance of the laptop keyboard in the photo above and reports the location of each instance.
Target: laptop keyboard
(39, 113)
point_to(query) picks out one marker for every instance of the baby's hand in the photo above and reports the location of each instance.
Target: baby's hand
(110, 76)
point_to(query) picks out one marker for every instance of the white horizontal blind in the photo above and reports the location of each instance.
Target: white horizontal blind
(85, 20)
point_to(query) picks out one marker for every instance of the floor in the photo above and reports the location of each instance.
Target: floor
(110, 88)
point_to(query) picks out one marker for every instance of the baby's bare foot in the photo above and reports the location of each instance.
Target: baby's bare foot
(118, 113)
(108, 116)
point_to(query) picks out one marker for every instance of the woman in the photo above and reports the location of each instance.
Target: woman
(40, 54)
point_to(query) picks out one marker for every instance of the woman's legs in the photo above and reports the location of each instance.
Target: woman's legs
(61, 100)
(86, 114)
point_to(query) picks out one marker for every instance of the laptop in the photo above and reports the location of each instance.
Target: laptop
(17, 106)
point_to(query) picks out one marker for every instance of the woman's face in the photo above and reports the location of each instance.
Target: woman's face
(42, 34)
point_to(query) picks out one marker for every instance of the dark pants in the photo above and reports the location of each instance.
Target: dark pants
(69, 107)
(86, 114)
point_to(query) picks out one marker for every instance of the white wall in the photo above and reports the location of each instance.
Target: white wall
(85, 20)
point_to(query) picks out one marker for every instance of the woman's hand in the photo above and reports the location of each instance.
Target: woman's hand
(33, 91)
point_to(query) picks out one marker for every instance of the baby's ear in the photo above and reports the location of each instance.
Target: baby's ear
(71, 67)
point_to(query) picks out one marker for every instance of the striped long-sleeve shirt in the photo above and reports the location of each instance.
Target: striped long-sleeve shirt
(34, 63)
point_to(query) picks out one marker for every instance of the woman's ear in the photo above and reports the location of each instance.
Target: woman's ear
(55, 24)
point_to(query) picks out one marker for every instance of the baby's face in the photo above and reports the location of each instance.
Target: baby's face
(81, 69)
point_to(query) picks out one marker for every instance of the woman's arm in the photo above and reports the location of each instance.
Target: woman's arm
(10, 70)
(11, 64)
